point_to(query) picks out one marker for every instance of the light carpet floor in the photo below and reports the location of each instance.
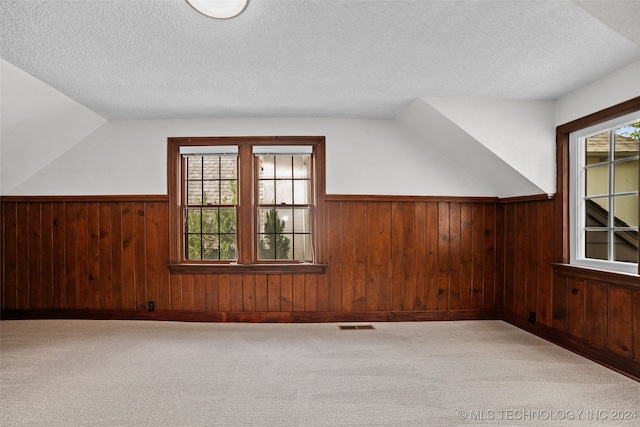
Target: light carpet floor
(145, 373)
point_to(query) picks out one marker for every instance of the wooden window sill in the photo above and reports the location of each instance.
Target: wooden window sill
(628, 280)
(247, 268)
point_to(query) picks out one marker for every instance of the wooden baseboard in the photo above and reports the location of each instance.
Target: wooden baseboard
(611, 360)
(254, 317)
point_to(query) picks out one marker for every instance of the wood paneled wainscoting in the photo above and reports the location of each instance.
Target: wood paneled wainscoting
(389, 258)
(593, 313)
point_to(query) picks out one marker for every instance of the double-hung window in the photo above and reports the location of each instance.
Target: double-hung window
(246, 203)
(604, 204)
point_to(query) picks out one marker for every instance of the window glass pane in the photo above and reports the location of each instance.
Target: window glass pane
(193, 221)
(286, 216)
(596, 245)
(210, 247)
(302, 192)
(597, 212)
(284, 192)
(266, 166)
(194, 192)
(626, 246)
(302, 166)
(284, 167)
(267, 192)
(194, 243)
(220, 167)
(597, 148)
(627, 141)
(302, 220)
(625, 211)
(220, 192)
(227, 221)
(597, 180)
(302, 247)
(194, 167)
(272, 243)
(626, 176)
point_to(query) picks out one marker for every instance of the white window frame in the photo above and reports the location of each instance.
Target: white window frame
(577, 160)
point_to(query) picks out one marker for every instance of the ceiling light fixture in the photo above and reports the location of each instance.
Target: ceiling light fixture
(219, 9)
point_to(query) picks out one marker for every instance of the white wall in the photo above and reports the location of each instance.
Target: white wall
(521, 133)
(363, 157)
(620, 86)
(37, 124)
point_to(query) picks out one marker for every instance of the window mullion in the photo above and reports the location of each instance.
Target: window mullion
(246, 205)
(611, 222)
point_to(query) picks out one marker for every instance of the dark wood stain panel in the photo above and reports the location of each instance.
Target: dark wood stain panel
(384, 256)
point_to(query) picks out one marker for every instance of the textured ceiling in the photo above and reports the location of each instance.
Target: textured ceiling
(310, 58)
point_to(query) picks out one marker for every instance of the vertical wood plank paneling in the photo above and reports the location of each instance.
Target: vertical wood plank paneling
(248, 293)
(35, 257)
(384, 272)
(420, 260)
(545, 255)
(408, 256)
(117, 265)
(620, 321)
(576, 308)
(296, 282)
(140, 250)
(510, 253)
(559, 303)
(224, 292)
(635, 327)
(70, 256)
(432, 243)
(323, 292)
(106, 284)
(334, 254)
(93, 256)
(290, 297)
(360, 254)
(273, 289)
(520, 275)
(489, 265)
(454, 254)
(500, 256)
(397, 254)
(347, 258)
(533, 237)
(152, 256)
(47, 255)
(262, 294)
(164, 290)
(128, 257)
(188, 295)
(372, 279)
(211, 286)
(596, 314)
(310, 292)
(82, 248)
(59, 245)
(478, 247)
(10, 255)
(442, 298)
(236, 296)
(175, 285)
(199, 293)
(22, 256)
(466, 255)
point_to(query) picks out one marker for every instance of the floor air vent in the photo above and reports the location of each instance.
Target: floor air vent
(354, 327)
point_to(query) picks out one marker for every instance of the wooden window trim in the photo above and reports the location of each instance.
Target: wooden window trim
(562, 220)
(247, 262)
